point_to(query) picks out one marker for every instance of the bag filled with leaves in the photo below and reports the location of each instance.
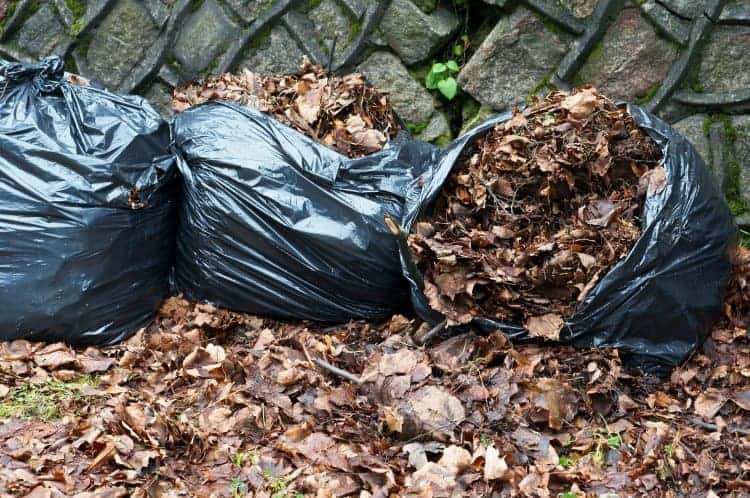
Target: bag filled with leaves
(286, 182)
(87, 201)
(572, 220)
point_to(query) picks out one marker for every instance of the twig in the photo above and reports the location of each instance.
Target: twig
(714, 427)
(331, 54)
(337, 371)
(431, 333)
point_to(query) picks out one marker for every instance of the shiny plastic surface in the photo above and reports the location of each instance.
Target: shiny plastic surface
(276, 224)
(87, 216)
(658, 303)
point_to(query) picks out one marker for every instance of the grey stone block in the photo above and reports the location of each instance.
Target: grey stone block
(411, 100)
(41, 34)
(120, 43)
(741, 125)
(415, 35)
(331, 21)
(203, 38)
(630, 61)
(692, 129)
(518, 54)
(273, 52)
(725, 62)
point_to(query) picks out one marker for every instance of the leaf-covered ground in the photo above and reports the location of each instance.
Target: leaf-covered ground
(210, 403)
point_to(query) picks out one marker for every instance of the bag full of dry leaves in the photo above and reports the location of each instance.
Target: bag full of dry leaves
(285, 191)
(341, 112)
(574, 220)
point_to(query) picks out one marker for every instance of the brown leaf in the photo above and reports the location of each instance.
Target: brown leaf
(436, 410)
(581, 104)
(598, 213)
(709, 402)
(548, 326)
(54, 356)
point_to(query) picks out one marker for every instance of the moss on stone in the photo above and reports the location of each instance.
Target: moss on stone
(737, 204)
(78, 9)
(355, 28)
(553, 27)
(10, 9)
(195, 5)
(259, 38)
(313, 4)
(646, 97)
(265, 6)
(545, 82)
(443, 140)
(417, 128)
(596, 55)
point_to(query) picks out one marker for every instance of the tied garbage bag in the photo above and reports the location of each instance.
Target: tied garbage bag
(87, 199)
(658, 302)
(276, 224)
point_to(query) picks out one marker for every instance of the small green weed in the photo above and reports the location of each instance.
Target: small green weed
(240, 458)
(44, 401)
(238, 488)
(442, 78)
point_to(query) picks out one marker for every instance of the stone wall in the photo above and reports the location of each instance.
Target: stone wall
(686, 60)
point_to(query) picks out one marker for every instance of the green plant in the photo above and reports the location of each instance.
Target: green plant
(44, 401)
(78, 9)
(614, 441)
(442, 78)
(240, 458)
(417, 128)
(668, 450)
(567, 494)
(237, 488)
(462, 43)
(565, 462)
(486, 440)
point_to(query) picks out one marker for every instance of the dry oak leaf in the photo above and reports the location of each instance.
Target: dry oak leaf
(369, 139)
(582, 104)
(547, 326)
(709, 402)
(436, 409)
(205, 362)
(54, 356)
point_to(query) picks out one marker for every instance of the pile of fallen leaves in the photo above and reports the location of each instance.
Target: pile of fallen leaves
(342, 112)
(207, 402)
(536, 211)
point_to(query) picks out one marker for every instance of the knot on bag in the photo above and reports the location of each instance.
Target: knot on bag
(46, 75)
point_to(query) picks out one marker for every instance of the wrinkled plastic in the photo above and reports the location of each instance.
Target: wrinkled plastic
(659, 302)
(78, 263)
(276, 224)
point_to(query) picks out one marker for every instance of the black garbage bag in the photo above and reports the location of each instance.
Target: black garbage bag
(657, 304)
(274, 223)
(87, 214)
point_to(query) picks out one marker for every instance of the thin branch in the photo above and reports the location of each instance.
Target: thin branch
(337, 371)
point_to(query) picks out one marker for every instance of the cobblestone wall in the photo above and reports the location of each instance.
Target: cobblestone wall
(686, 60)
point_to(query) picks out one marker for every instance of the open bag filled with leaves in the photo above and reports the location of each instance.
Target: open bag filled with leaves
(286, 182)
(87, 204)
(572, 220)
